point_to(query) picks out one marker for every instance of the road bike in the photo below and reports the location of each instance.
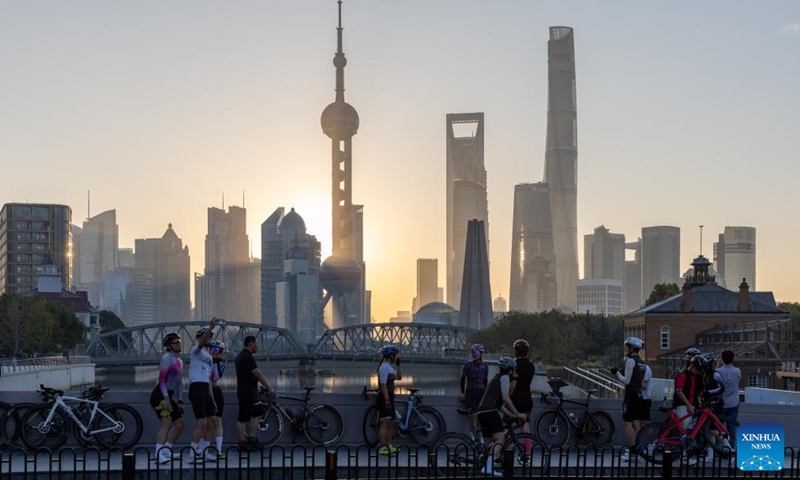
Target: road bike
(321, 423)
(708, 430)
(459, 455)
(47, 425)
(423, 423)
(555, 425)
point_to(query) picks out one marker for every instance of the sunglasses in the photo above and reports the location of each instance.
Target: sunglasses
(175, 341)
(216, 350)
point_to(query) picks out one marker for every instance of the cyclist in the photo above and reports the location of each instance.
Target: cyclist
(687, 386)
(497, 399)
(633, 379)
(731, 376)
(217, 353)
(712, 392)
(521, 387)
(201, 364)
(690, 354)
(387, 375)
(474, 377)
(162, 399)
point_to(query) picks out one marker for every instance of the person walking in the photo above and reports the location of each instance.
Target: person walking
(384, 402)
(731, 378)
(215, 427)
(248, 376)
(474, 377)
(201, 364)
(163, 398)
(521, 387)
(495, 401)
(632, 402)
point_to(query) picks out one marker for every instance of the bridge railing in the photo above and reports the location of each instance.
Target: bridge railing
(41, 363)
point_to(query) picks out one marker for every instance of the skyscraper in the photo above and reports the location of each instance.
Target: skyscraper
(99, 248)
(466, 192)
(28, 233)
(632, 283)
(735, 257)
(297, 296)
(340, 123)
(427, 282)
(168, 261)
(561, 160)
(604, 255)
(476, 292)
(661, 253)
(533, 264)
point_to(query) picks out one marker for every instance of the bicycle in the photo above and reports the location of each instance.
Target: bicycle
(47, 425)
(425, 424)
(655, 438)
(321, 423)
(466, 455)
(554, 426)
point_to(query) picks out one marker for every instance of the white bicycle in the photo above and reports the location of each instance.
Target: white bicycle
(47, 425)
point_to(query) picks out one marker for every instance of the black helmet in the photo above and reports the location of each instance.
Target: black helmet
(521, 347)
(507, 363)
(693, 351)
(200, 332)
(170, 337)
(699, 362)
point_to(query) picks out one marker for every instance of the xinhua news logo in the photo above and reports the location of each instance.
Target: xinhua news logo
(759, 447)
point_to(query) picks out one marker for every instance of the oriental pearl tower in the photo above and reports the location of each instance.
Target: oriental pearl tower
(342, 274)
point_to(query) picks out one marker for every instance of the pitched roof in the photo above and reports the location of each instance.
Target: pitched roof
(711, 298)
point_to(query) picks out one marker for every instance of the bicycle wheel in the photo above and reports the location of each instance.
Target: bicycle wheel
(4, 409)
(270, 427)
(122, 430)
(370, 426)
(10, 425)
(36, 433)
(534, 460)
(599, 429)
(720, 443)
(426, 425)
(656, 438)
(323, 425)
(455, 455)
(553, 428)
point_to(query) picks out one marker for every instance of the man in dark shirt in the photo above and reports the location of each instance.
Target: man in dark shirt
(248, 376)
(521, 387)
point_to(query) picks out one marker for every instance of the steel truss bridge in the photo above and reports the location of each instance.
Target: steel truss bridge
(423, 343)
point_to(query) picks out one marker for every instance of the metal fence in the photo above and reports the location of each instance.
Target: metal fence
(343, 462)
(41, 363)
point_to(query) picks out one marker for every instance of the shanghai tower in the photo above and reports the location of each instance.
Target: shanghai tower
(561, 160)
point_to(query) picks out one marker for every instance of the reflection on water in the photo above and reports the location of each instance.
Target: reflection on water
(334, 377)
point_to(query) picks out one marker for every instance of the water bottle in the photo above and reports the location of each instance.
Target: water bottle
(397, 416)
(572, 417)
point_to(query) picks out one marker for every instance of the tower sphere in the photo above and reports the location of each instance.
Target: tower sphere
(340, 274)
(339, 120)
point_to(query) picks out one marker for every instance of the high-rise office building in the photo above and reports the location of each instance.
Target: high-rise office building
(168, 261)
(99, 249)
(500, 305)
(75, 251)
(427, 282)
(297, 295)
(125, 258)
(466, 192)
(632, 282)
(476, 292)
(533, 264)
(28, 233)
(340, 123)
(561, 160)
(227, 279)
(129, 292)
(602, 296)
(661, 254)
(735, 257)
(604, 254)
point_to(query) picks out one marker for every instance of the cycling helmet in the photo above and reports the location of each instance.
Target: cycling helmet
(507, 363)
(634, 342)
(170, 337)
(699, 362)
(218, 344)
(521, 347)
(201, 332)
(389, 350)
(478, 347)
(693, 351)
(710, 359)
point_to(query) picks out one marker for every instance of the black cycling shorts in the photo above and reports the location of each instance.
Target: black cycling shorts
(202, 400)
(219, 399)
(156, 397)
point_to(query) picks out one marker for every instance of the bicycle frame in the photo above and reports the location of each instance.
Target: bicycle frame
(296, 424)
(577, 421)
(60, 403)
(675, 425)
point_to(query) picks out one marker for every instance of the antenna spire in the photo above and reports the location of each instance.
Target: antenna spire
(701, 239)
(88, 204)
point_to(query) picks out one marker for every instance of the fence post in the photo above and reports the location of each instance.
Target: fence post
(128, 466)
(508, 464)
(666, 470)
(330, 465)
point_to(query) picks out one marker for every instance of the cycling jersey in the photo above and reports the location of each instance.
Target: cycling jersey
(476, 373)
(170, 375)
(200, 365)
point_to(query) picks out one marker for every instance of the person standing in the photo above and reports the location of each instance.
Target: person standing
(632, 402)
(201, 395)
(474, 377)
(163, 398)
(384, 402)
(731, 378)
(248, 376)
(521, 387)
(215, 428)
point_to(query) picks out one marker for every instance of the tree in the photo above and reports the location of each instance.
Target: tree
(661, 291)
(69, 330)
(12, 323)
(109, 322)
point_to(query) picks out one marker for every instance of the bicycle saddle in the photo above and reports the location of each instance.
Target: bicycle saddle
(413, 390)
(308, 389)
(591, 391)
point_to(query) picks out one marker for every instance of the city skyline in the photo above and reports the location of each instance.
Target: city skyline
(160, 110)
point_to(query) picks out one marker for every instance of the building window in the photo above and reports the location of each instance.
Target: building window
(665, 337)
(759, 381)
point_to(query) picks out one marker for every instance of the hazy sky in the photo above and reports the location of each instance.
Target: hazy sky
(687, 115)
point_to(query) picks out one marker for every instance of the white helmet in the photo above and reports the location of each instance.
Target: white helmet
(634, 342)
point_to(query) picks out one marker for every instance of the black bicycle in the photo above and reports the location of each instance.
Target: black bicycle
(554, 426)
(424, 424)
(321, 423)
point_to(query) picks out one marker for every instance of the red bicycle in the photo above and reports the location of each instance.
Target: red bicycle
(708, 430)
